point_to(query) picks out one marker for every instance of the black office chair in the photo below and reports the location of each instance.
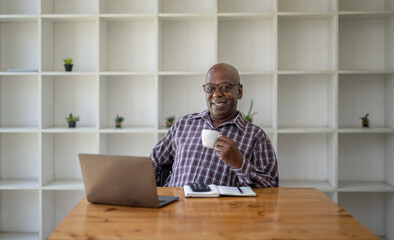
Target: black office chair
(165, 171)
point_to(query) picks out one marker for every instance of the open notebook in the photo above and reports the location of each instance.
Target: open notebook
(219, 191)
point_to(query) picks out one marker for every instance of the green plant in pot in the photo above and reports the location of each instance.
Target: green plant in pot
(249, 117)
(118, 121)
(170, 121)
(365, 120)
(72, 120)
(68, 64)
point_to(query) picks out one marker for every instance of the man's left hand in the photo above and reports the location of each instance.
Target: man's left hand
(227, 150)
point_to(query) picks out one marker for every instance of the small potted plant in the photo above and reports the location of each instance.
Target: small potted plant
(68, 64)
(249, 117)
(72, 120)
(170, 121)
(365, 120)
(118, 121)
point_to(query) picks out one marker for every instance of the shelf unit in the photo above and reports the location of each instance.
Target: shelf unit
(311, 67)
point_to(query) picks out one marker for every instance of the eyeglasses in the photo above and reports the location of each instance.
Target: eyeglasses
(223, 87)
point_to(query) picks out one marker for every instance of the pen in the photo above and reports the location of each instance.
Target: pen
(239, 189)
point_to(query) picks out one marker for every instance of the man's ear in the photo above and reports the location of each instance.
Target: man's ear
(240, 91)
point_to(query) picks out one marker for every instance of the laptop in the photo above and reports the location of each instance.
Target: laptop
(121, 180)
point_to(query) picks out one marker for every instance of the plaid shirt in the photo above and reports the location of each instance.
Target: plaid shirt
(192, 162)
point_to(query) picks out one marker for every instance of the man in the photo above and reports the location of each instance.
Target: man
(243, 155)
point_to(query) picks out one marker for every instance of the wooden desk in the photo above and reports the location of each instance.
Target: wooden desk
(277, 213)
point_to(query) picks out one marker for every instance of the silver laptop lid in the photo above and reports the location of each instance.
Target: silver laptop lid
(119, 180)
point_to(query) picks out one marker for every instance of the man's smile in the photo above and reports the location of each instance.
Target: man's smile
(219, 103)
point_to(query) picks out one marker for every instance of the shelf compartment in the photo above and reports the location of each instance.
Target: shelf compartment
(366, 93)
(321, 185)
(364, 15)
(69, 7)
(19, 214)
(127, 144)
(132, 97)
(19, 185)
(19, 169)
(366, 159)
(18, 53)
(60, 163)
(306, 129)
(365, 72)
(365, 5)
(306, 5)
(127, 74)
(183, 73)
(304, 72)
(245, 16)
(19, 6)
(366, 130)
(253, 53)
(68, 74)
(246, 6)
(372, 210)
(64, 185)
(19, 102)
(18, 19)
(189, 97)
(19, 236)
(67, 37)
(259, 89)
(186, 17)
(128, 45)
(187, 6)
(65, 129)
(69, 17)
(62, 95)
(308, 160)
(128, 6)
(19, 129)
(128, 130)
(366, 43)
(127, 17)
(364, 186)
(178, 44)
(56, 205)
(306, 100)
(306, 43)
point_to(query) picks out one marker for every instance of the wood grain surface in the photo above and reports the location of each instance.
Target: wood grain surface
(276, 213)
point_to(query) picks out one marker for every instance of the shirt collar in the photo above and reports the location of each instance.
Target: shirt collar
(238, 120)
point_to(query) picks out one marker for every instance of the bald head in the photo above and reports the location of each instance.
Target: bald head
(230, 71)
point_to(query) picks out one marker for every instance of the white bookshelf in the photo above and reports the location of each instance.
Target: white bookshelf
(311, 67)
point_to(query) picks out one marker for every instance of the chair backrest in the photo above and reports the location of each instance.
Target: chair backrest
(165, 171)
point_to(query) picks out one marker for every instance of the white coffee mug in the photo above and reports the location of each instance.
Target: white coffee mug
(209, 138)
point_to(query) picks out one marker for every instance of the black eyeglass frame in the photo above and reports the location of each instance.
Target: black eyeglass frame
(224, 84)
